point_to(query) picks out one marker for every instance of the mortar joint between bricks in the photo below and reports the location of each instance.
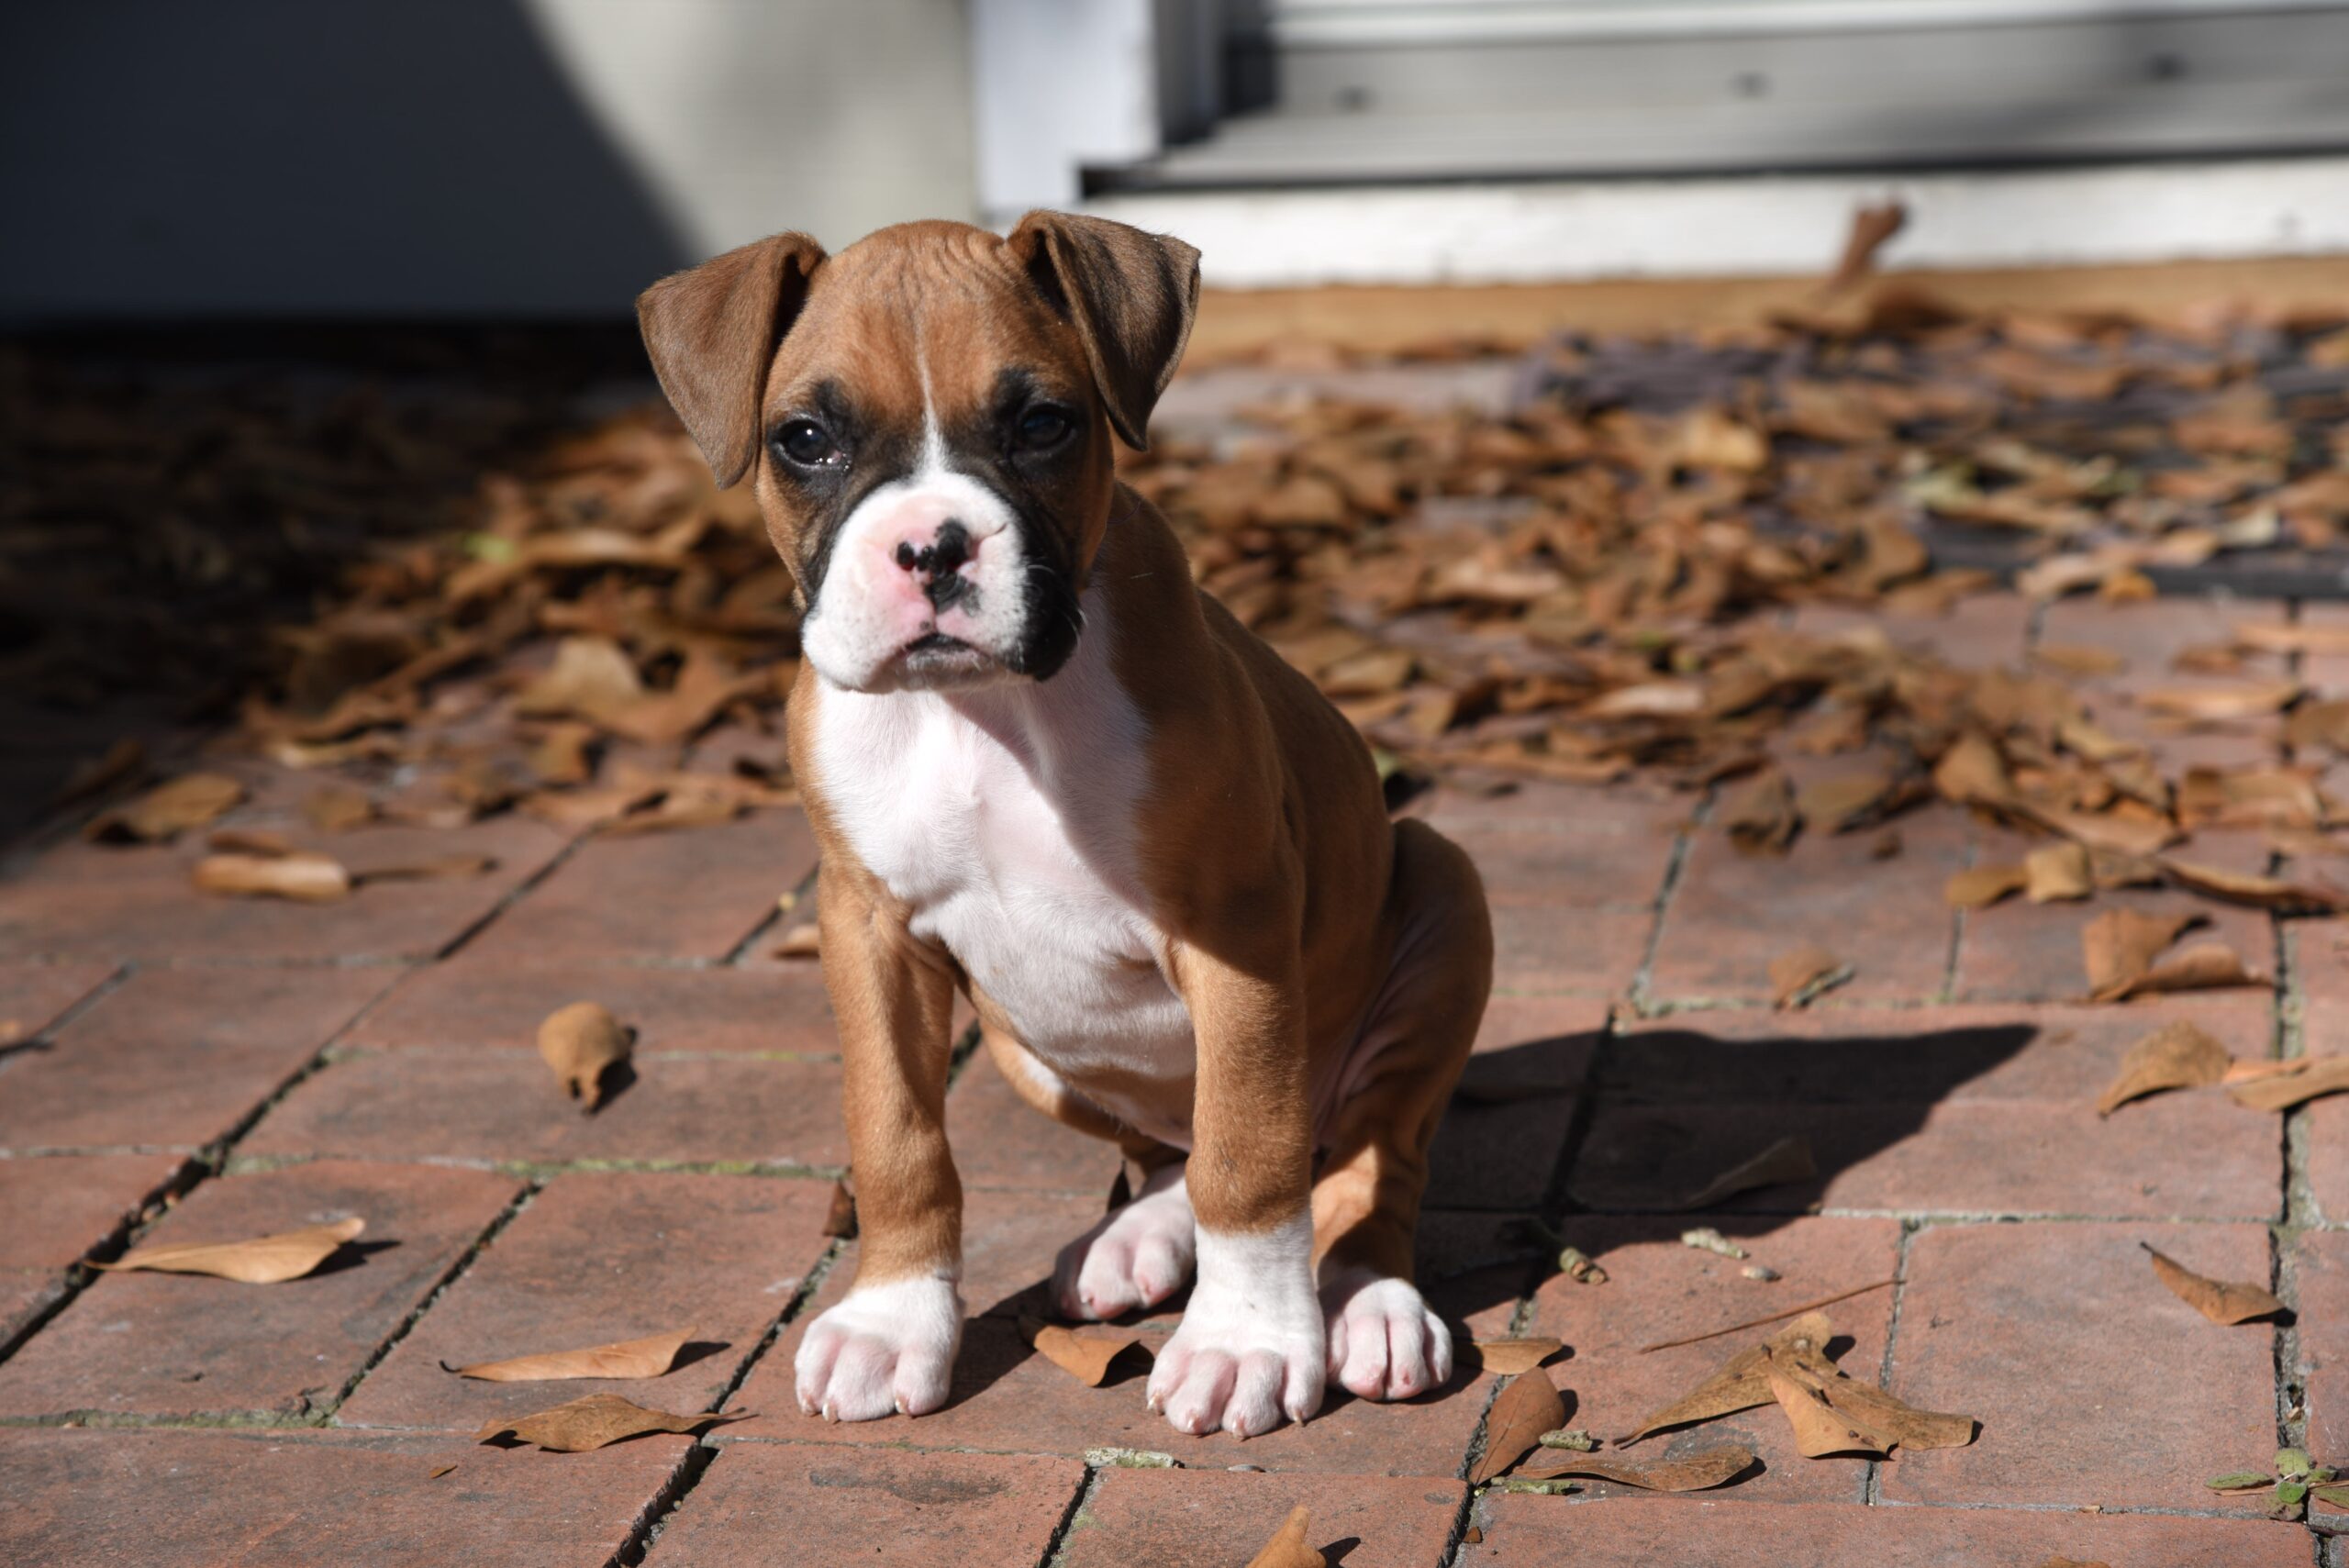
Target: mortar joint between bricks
(663, 1505)
(801, 1294)
(798, 893)
(456, 1270)
(1056, 1544)
(1676, 863)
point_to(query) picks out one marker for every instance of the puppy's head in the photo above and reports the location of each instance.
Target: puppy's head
(926, 418)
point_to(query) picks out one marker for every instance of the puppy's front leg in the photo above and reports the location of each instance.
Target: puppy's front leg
(890, 1343)
(1249, 1349)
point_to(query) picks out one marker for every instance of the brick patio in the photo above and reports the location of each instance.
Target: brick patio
(200, 1070)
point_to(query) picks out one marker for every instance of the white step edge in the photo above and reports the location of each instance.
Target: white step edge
(1758, 225)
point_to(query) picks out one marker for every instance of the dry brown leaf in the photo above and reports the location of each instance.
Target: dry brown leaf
(1528, 1405)
(2216, 704)
(1871, 226)
(649, 1357)
(1819, 1428)
(2086, 662)
(1834, 805)
(595, 1421)
(2218, 1300)
(307, 877)
(1971, 773)
(1762, 818)
(582, 1042)
(2119, 947)
(2259, 892)
(592, 676)
(248, 841)
(1287, 1548)
(122, 761)
(1510, 1357)
(2057, 872)
(1739, 1384)
(2256, 1071)
(337, 809)
(1696, 1472)
(1787, 1160)
(166, 811)
(1803, 973)
(803, 940)
(439, 868)
(2204, 966)
(438, 1471)
(2320, 1075)
(2277, 637)
(840, 1218)
(1084, 1353)
(2178, 1055)
(262, 1260)
(1978, 887)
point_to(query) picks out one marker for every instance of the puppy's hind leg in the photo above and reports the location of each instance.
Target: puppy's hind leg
(1384, 1343)
(1137, 1254)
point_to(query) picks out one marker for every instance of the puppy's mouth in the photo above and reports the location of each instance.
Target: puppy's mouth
(936, 657)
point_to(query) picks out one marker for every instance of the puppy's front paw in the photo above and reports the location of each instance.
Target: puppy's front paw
(887, 1347)
(1136, 1256)
(1383, 1342)
(1250, 1350)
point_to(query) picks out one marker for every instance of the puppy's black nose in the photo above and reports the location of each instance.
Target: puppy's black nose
(938, 562)
(943, 555)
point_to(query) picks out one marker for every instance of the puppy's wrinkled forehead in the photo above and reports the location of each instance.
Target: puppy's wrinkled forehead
(924, 325)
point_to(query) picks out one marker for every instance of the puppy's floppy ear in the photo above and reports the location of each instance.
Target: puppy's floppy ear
(1130, 296)
(711, 331)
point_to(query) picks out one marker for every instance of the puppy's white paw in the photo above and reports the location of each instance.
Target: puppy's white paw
(1136, 1256)
(887, 1347)
(1250, 1349)
(1383, 1342)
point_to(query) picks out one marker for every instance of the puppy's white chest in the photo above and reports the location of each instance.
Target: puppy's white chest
(1005, 820)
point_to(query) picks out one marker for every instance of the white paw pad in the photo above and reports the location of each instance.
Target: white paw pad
(1384, 1342)
(1135, 1258)
(1250, 1351)
(887, 1348)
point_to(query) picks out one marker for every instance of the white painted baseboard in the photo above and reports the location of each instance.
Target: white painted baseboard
(1541, 232)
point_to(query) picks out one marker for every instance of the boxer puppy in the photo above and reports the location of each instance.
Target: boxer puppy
(1046, 769)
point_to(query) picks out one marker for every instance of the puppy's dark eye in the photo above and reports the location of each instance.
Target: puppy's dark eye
(808, 444)
(1041, 429)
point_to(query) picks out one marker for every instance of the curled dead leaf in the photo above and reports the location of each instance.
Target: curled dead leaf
(1803, 973)
(2057, 872)
(1762, 818)
(2119, 947)
(1527, 1406)
(1086, 1352)
(304, 876)
(1287, 1548)
(1510, 1357)
(2205, 966)
(2180, 1055)
(582, 1042)
(1787, 1160)
(2259, 892)
(2313, 1077)
(167, 810)
(1978, 887)
(648, 1357)
(596, 1421)
(1696, 1471)
(2216, 1299)
(261, 1260)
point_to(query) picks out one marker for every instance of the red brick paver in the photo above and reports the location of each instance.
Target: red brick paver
(598, 1258)
(506, 1106)
(162, 1345)
(1199, 1519)
(1525, 1532)
(97, 900)
(488, 1003)
(2094, 1384)
(694, 895)
(174, 1059)
(262, 1499)
(763, 1504)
